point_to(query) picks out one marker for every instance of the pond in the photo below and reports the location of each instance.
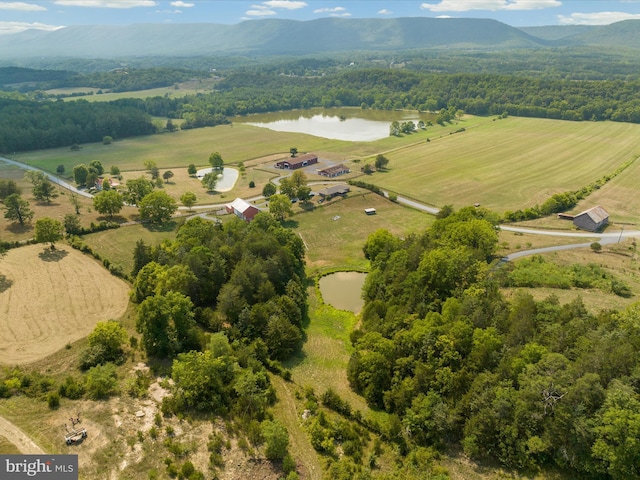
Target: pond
(343, 290)
(350, 124)
(226, 180)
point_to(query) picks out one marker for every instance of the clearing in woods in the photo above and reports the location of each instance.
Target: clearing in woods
(51, 298)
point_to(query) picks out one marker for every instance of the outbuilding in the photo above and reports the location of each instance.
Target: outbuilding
(370, 211)
(334, 171)
(298, 162)
(592, 220)
(242, 209)
(330, 192)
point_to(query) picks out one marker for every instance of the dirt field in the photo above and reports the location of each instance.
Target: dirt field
(49, 299)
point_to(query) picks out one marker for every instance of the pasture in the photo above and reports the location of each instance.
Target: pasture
(335, 232)
(510, 163)
(51, 298)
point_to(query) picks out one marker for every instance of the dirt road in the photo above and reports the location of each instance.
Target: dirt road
(18, 438)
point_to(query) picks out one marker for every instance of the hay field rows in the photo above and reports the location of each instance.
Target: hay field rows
(51, 298)
(510, 163)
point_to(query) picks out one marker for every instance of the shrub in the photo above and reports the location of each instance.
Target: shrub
(101, 381)
(53, 400)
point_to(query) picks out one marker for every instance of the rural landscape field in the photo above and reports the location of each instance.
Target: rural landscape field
(226, 255)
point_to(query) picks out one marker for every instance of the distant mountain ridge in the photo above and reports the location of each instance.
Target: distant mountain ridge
(291, 37)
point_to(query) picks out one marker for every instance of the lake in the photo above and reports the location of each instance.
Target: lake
(350, 124)
(343, 290)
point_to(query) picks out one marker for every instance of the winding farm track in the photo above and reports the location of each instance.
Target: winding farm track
(20, 439)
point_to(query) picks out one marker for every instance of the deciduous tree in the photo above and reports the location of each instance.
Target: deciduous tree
(188, 199)
(48, 230)
(157, 207)
(280, 207)
(17, 209)
(108, 202)
(216, 161)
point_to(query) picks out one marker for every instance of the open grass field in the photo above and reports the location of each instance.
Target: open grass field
(334, 233)
(51, 298)
(510, 163)
(619, 260)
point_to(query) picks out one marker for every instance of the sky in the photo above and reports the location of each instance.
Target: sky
(17, 16)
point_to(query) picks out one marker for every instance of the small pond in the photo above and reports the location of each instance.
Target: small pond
(343, 290)
(350, 124)
(226, 180)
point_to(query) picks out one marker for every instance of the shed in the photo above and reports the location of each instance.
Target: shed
(593, 219)
(242, 209)
(299, 162)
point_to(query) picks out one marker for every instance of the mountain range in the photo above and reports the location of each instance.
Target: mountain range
(290, 37)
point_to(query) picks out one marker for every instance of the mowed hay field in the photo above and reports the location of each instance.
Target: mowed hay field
(510, 163)
(51, 298)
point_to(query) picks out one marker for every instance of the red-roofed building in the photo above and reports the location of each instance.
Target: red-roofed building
(298, 162)
(242, 209)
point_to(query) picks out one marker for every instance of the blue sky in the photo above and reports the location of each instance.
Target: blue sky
(17, 16)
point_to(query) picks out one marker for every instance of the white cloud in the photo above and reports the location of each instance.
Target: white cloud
(330, 10)
(106, 3)
(599, 18)
(259, 11)
(286, 4)
(345, 14)
(169, 12)
(492, 5)
(181, 4)
(22, 6)
(17, 27)
(384, 11)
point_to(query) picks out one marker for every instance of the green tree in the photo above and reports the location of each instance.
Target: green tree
(107, 140)
(101, 381)
(152, 168)
(209, 181)
(48, 230)
(97, 166)
(110, 337)
(304, 193)
(188, 199)
(596, 247)
(269, 189)
(137, 189)
(171, 127)
(72, 224)
(280, 207)
(276, 440)
(157, 207)
(75, 201)
(43, 189)
(394, 128)
(108, 202)
(115, 171)
(288, 188)
(191, 169)
(141, 256)
(293, 151)
(17, 209)
(216, 162)
(166, 323)
(8, 187)
(381, 162)
(167, 175)
(80, 173)
(60, 169)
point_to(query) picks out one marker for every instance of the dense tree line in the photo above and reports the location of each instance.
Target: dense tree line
(29, 125)
(245, 279)
(528, 383)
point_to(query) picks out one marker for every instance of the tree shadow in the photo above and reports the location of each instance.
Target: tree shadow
(17, 229)
(290, 223)
(169, 226)
(52, 255)
(5, 283)
(114, 219)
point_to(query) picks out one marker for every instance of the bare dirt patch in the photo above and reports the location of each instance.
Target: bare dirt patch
(53, 298)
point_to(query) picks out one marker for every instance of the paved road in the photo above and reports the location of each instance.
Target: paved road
(51, 177)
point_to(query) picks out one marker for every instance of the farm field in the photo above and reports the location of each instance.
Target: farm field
(334, 234)
(51, 298)
(510, 163)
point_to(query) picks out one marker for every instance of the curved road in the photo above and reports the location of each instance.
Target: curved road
(20, 439)
(50, 176)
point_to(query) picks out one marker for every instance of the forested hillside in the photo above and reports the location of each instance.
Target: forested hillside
(530, 383)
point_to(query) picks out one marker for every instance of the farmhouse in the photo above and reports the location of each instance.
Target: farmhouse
(242, 209)
(299, 162)
(334, 171)
(330, 192)
(592, 219)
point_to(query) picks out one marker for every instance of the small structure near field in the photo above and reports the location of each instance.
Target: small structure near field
(593, 219)
(242, 209)
(370, 211)
(298, 162)
(74, 435)
(330, 192)
(334, 171)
